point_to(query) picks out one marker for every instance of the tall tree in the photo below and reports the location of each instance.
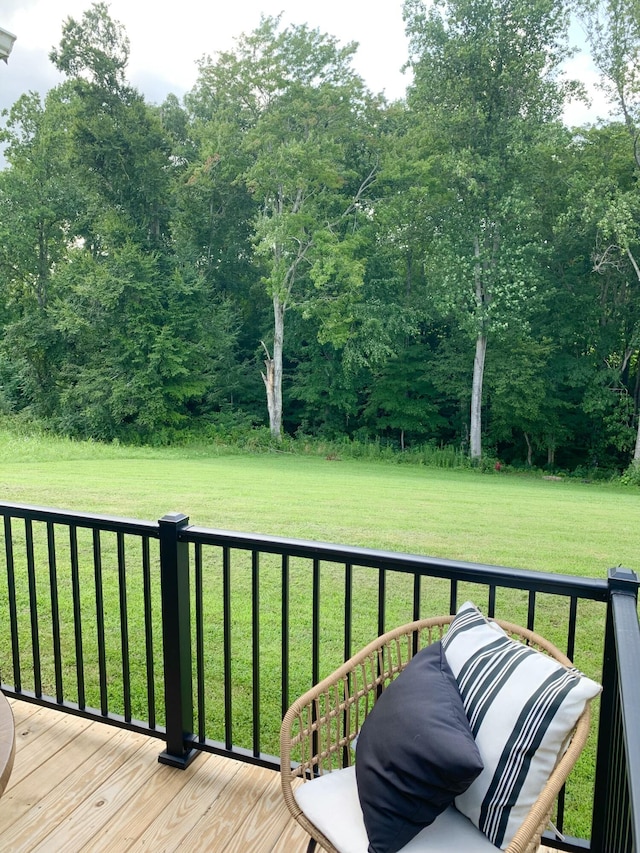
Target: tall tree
(39, 195)
(40, 198)
(486, 85)
(297, 109)
(613, 30)
(119, 144)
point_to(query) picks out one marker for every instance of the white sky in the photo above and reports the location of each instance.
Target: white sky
(168, 38)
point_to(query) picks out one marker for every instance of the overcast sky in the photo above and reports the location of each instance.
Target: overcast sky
(168, 38)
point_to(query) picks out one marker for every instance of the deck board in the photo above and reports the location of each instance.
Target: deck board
(84, 787)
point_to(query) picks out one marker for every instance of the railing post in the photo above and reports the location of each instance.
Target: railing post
(622, 582)
(176, 640)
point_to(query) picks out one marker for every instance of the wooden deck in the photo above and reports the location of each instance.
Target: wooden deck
(83, 786)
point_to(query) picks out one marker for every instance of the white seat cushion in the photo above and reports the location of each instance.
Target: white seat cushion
(331, 803)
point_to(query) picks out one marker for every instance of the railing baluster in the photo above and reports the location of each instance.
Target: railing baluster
(33, 608)
(102, 653)
(55, 611)
(199, 618)
(348, 632)
(382, 598)
(417, 590)
(148, 631)
(573, 621)
(77, 613)
(491, 604)
(315, 623)
(124, 627)
(13, 610)
(255, 649)
(531, 610)
(226, 621)
(285, 634)
(453, 596)
(571, 647)
(348, 610)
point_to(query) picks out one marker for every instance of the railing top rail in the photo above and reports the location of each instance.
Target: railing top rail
(559, 584)
(110, 523)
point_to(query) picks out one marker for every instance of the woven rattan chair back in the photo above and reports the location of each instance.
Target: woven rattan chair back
(319, 728)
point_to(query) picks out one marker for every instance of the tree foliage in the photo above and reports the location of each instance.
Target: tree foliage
(457, 267)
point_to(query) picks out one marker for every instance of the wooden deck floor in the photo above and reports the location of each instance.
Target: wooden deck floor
(82, 786)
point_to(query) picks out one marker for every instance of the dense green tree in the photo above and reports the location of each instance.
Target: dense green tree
(613, 30)
(403, 401)
(485, 90)
(149, 255)
(112, 332)
(297, 110)
(138, 354)
(40, 198)
(118, 143)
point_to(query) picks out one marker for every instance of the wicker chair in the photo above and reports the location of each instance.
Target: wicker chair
(319, 728)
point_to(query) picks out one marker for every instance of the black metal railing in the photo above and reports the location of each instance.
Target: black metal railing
(616, 816)
(203, 637)
(72, 584)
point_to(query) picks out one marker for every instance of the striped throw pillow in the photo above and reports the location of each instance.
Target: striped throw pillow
(521, 705)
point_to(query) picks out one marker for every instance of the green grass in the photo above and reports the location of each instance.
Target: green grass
(547, 525)
(521, 521)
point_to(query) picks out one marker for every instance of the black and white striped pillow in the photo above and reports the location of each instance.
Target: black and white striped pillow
(521, 705)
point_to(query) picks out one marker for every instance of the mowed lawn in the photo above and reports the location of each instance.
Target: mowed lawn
(565, 526)
(559, 526)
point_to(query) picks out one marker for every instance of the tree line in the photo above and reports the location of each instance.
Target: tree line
(284, 247)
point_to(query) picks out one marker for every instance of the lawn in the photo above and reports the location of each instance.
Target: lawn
(522, 521)
(526, 522)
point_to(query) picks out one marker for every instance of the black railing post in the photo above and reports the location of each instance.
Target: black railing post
(611, 761)
(176, 641)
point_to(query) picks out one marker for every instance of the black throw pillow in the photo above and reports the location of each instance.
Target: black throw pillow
(415, 752)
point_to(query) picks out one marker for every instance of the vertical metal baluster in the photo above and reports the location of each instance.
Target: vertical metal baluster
(417, 579)
(255, 647)
(148, 632)
(315, 639)
(531, 610)
(285, 634)
(33, 608)
(453, 596)
(573, 621)
(124, 627)
(571, 646)
(315, 624)
(228, 687)
(13, 610)
(55, 611)
(102, 653)
(382, 589)
(348, 610)
(491, 605)
(77, 614)
(200, 671)
(348, 638)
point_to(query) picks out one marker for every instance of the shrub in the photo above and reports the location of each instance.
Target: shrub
(631, 476)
